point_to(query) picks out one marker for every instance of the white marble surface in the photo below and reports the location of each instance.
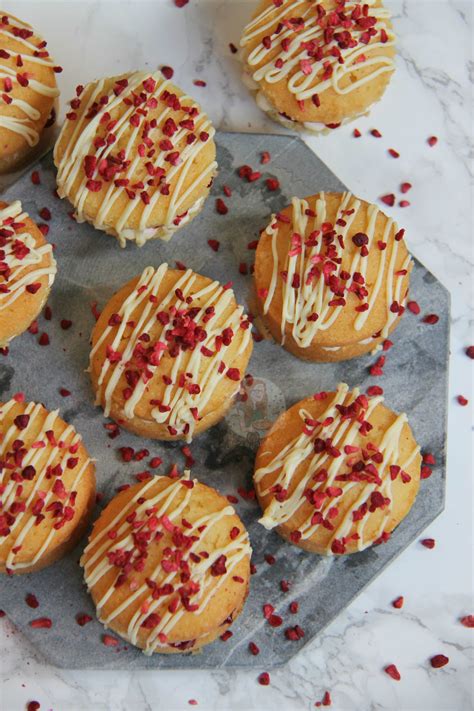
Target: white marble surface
(430, 95)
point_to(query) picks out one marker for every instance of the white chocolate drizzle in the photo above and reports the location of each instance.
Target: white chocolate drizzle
(166, 504)
(24, 125)
(81, 145)
(301, 450)
(293, 32)
(312, 296)
(178, 403)
(19, 517)
(22, 262)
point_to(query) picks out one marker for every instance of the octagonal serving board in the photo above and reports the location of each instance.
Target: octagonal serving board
(91, 267)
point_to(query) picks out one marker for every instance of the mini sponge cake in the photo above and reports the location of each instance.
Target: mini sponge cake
(47, 487)
(337, 472)
(168, 353)
(28, 90)
(135, 157)
(316, 65)
(27, 271)
(168, 565)
(332, 276)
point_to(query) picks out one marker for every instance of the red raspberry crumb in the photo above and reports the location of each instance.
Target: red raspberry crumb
(392, 671)
(167, 72)
(214, 244)
(264, 679)
(388, 199)
(462, 400)
(413, 307)
(45, 214)
(438, 661)
(253, 649)
(221, 207)
(428, 542)
(432, 141)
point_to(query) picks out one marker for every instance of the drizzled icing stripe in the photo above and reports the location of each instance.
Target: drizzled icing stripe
(312, 297)
(81, 144)
(295, 62)
(162, 505)
(20, 514)
(343, 433)
(9, 80)
(178, 403)
(22, 261)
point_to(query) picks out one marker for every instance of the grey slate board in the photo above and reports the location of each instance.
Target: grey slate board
(91, 266)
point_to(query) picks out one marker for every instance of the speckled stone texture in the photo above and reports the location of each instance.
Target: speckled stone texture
(91, 266)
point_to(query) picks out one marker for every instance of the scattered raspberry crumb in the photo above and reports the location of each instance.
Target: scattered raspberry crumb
(199, 82)
(33, 706)
(43, 340)
(45, 214)
(109, 641)
(167, 72)
(265, 157)
(413, 307)
(467, 621)
(253, 649)
(192, 702)
(388, 199)
(233, 48)
(394, 153)
(325, 701)
(264, 679)
(214, 244)
(356, 133)
(438, 661)
(462, 400)
(404, 203)
(181, 3)
(432, 141)
(221, 207)
(35, 178)
(428, 542)
(405, 187)
(431, 319)
(392, 671)
(376, 133)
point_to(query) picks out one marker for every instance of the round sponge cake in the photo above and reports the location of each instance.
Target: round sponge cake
(315, 65)
(135, 157)
(332, 276)
(28, 89)
(27, 271)
(168, 565)
(337, 472)
(168, 353)
(47, 487)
